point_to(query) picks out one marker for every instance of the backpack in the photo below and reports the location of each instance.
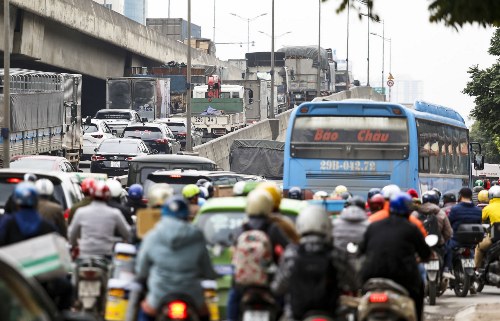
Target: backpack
(431, 224)
(252, 258)
(313, 282)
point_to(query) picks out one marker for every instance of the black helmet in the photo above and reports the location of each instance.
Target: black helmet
(438, 192)
(295, 193)
(373, 191)
(449, 197)
(356, 201)
(430, 197)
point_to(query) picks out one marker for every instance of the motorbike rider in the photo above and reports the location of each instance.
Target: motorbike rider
(449, 200)
(390, 246)
(465, 212)
(27, 223)
(202, 182)
(95, 224)
(307, 274)
(491, 213)
(191, 193)
(483, 199)
(259, 211)
(86, 186)
(173, 258)
(338, 191)
(115, 188)
(478, 187)
(373, 191)
(134, 199)
(375, 204)
(295, 193)
(50, 211)
(387, 192)
(157, 195)
(10, 206)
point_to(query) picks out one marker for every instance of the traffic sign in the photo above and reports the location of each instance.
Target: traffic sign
(390, 83)
(390, 77)
(380, 90)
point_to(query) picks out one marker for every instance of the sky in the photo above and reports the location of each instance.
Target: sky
(436, 55)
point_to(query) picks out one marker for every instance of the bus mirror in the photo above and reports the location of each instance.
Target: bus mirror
(478, 162)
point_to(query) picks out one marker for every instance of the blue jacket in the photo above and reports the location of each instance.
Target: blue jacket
(174, 259)
(464, 213)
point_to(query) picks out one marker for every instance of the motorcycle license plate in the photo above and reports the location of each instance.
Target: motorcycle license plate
(89, 288)
(116, 309)
(432, 266)
(468, 263)
(256, 316)
(115, 163)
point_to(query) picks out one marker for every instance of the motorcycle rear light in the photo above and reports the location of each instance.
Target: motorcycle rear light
(318, 319)
(96, 158)
(97, 136)
(14, 180)
(378, 298)
(466, 252)
(66, 214)
(162, 141)
(89, 274)
(177, 310)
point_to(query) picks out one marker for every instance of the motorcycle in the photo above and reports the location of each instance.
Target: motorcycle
(91, 281)
(437, 283)
(468, 236)
(258, 304)
(384, 299)
(490, 274)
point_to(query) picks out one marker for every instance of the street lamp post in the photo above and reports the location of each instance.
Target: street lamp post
(318, 74)
(189, 147)
(248, 25)
(271, 112)
(6, 85)
(384, 39)
(275, 37)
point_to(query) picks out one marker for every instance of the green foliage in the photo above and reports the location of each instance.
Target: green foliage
(490, 144)
(454, 13)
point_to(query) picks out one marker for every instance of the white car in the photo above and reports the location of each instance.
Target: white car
(118, 119)
(94, 132)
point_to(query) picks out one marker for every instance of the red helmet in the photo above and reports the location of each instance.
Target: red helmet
(413, 193)
(100, 191)
(376, 203)
(86, 185)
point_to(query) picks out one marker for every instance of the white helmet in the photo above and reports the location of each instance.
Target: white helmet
(320, 195)
(44, 187)
(390, 190)
(204, 192)
(494, 192)
(314, 220)
(115, 187)
(239, 188)
(158, 194)
(339, 190)
(259, 202)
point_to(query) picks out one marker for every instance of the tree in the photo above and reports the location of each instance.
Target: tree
(454, 13)
(485, 88)
(490, 144)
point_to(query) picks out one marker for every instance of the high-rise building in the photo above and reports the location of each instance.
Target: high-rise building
(136, 10)
(407, 90)
(115, 5)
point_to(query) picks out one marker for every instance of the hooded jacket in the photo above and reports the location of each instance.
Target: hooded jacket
(349, 227)
(174, 259)
(443, 221)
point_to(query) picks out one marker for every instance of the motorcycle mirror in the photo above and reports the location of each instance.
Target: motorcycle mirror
(352, 248)
(431, 240)
(486, 226)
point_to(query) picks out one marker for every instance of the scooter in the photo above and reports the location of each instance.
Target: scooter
(258, 304)
(91, 280)
(490, 274)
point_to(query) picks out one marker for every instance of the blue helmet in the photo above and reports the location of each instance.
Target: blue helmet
(295, 193)
(135, 192)
(430, 197)
(400, 204)
(26, 195)
(176, 207)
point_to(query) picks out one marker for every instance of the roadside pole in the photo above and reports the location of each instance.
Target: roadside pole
(6, 85)
(189, 145)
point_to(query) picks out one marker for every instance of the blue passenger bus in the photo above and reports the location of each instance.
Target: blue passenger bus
(363, 144)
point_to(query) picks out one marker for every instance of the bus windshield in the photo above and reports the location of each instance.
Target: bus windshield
(349, 137)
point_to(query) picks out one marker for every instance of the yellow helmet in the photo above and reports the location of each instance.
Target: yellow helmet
(191, 190)
(482, 197)
(274, 191)
(259, 202)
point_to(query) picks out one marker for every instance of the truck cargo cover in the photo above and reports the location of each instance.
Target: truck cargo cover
(257, 157)
(30, 111)
(310, 52)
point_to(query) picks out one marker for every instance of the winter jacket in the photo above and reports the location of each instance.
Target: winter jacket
(384, 213)
(349, 227)
(174, 258)
(443, 222)
(390, 246)
(84, 202)
(492, 211)
(96, 225)
(464, 213)
(18, 229)
(447, 207)
(54, 214)
(127, 215)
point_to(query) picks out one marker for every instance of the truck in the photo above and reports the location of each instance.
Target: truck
(258, 93)
(45, 113)
(148, 96)
(302, 64)
(218, 114)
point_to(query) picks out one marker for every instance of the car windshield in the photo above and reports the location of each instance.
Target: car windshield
(142, 132)
(118, 147)
(220, 228)
(112, 115)
(33, 163)
(177, 127)
(92, 128)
